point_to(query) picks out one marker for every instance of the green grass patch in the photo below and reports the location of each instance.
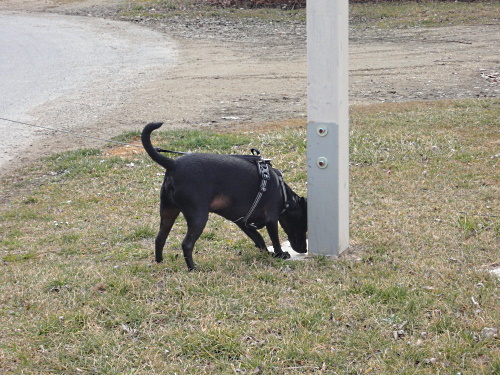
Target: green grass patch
(408, 14)
(80, 293)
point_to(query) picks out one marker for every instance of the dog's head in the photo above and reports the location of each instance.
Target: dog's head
(294, 223)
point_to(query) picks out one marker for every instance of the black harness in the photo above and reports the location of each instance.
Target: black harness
(263, 166)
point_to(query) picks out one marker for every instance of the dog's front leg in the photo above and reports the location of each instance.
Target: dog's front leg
(254, 236)
(272, 230)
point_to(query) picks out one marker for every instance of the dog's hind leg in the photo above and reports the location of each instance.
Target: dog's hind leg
(196, 223)
(272, 230)
(168, 214)
(254, 236)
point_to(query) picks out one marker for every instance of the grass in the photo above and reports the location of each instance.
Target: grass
(404, 14)
(155, 9)
(382, 15)
(80, 293)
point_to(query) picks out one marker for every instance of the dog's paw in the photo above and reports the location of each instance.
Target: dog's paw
(283, 255)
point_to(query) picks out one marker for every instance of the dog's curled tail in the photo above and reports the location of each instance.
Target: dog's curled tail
(165, 162)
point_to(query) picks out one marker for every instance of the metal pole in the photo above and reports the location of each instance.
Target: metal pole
(328, 126)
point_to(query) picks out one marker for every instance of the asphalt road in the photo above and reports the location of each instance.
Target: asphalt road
(47, 59)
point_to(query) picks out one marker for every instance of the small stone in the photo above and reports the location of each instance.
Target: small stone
(489, 333)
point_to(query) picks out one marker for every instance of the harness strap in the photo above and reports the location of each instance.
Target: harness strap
(158, 149)
(265, 176)
(286, 204)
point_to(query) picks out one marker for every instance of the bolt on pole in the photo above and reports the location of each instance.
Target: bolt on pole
(328, 126)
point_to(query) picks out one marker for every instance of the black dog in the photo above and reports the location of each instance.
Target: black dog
(228, 185)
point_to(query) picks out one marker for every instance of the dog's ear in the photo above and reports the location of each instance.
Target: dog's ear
(303, 203)
(303, 207)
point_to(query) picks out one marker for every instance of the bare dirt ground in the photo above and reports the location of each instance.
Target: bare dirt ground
(235, 73)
